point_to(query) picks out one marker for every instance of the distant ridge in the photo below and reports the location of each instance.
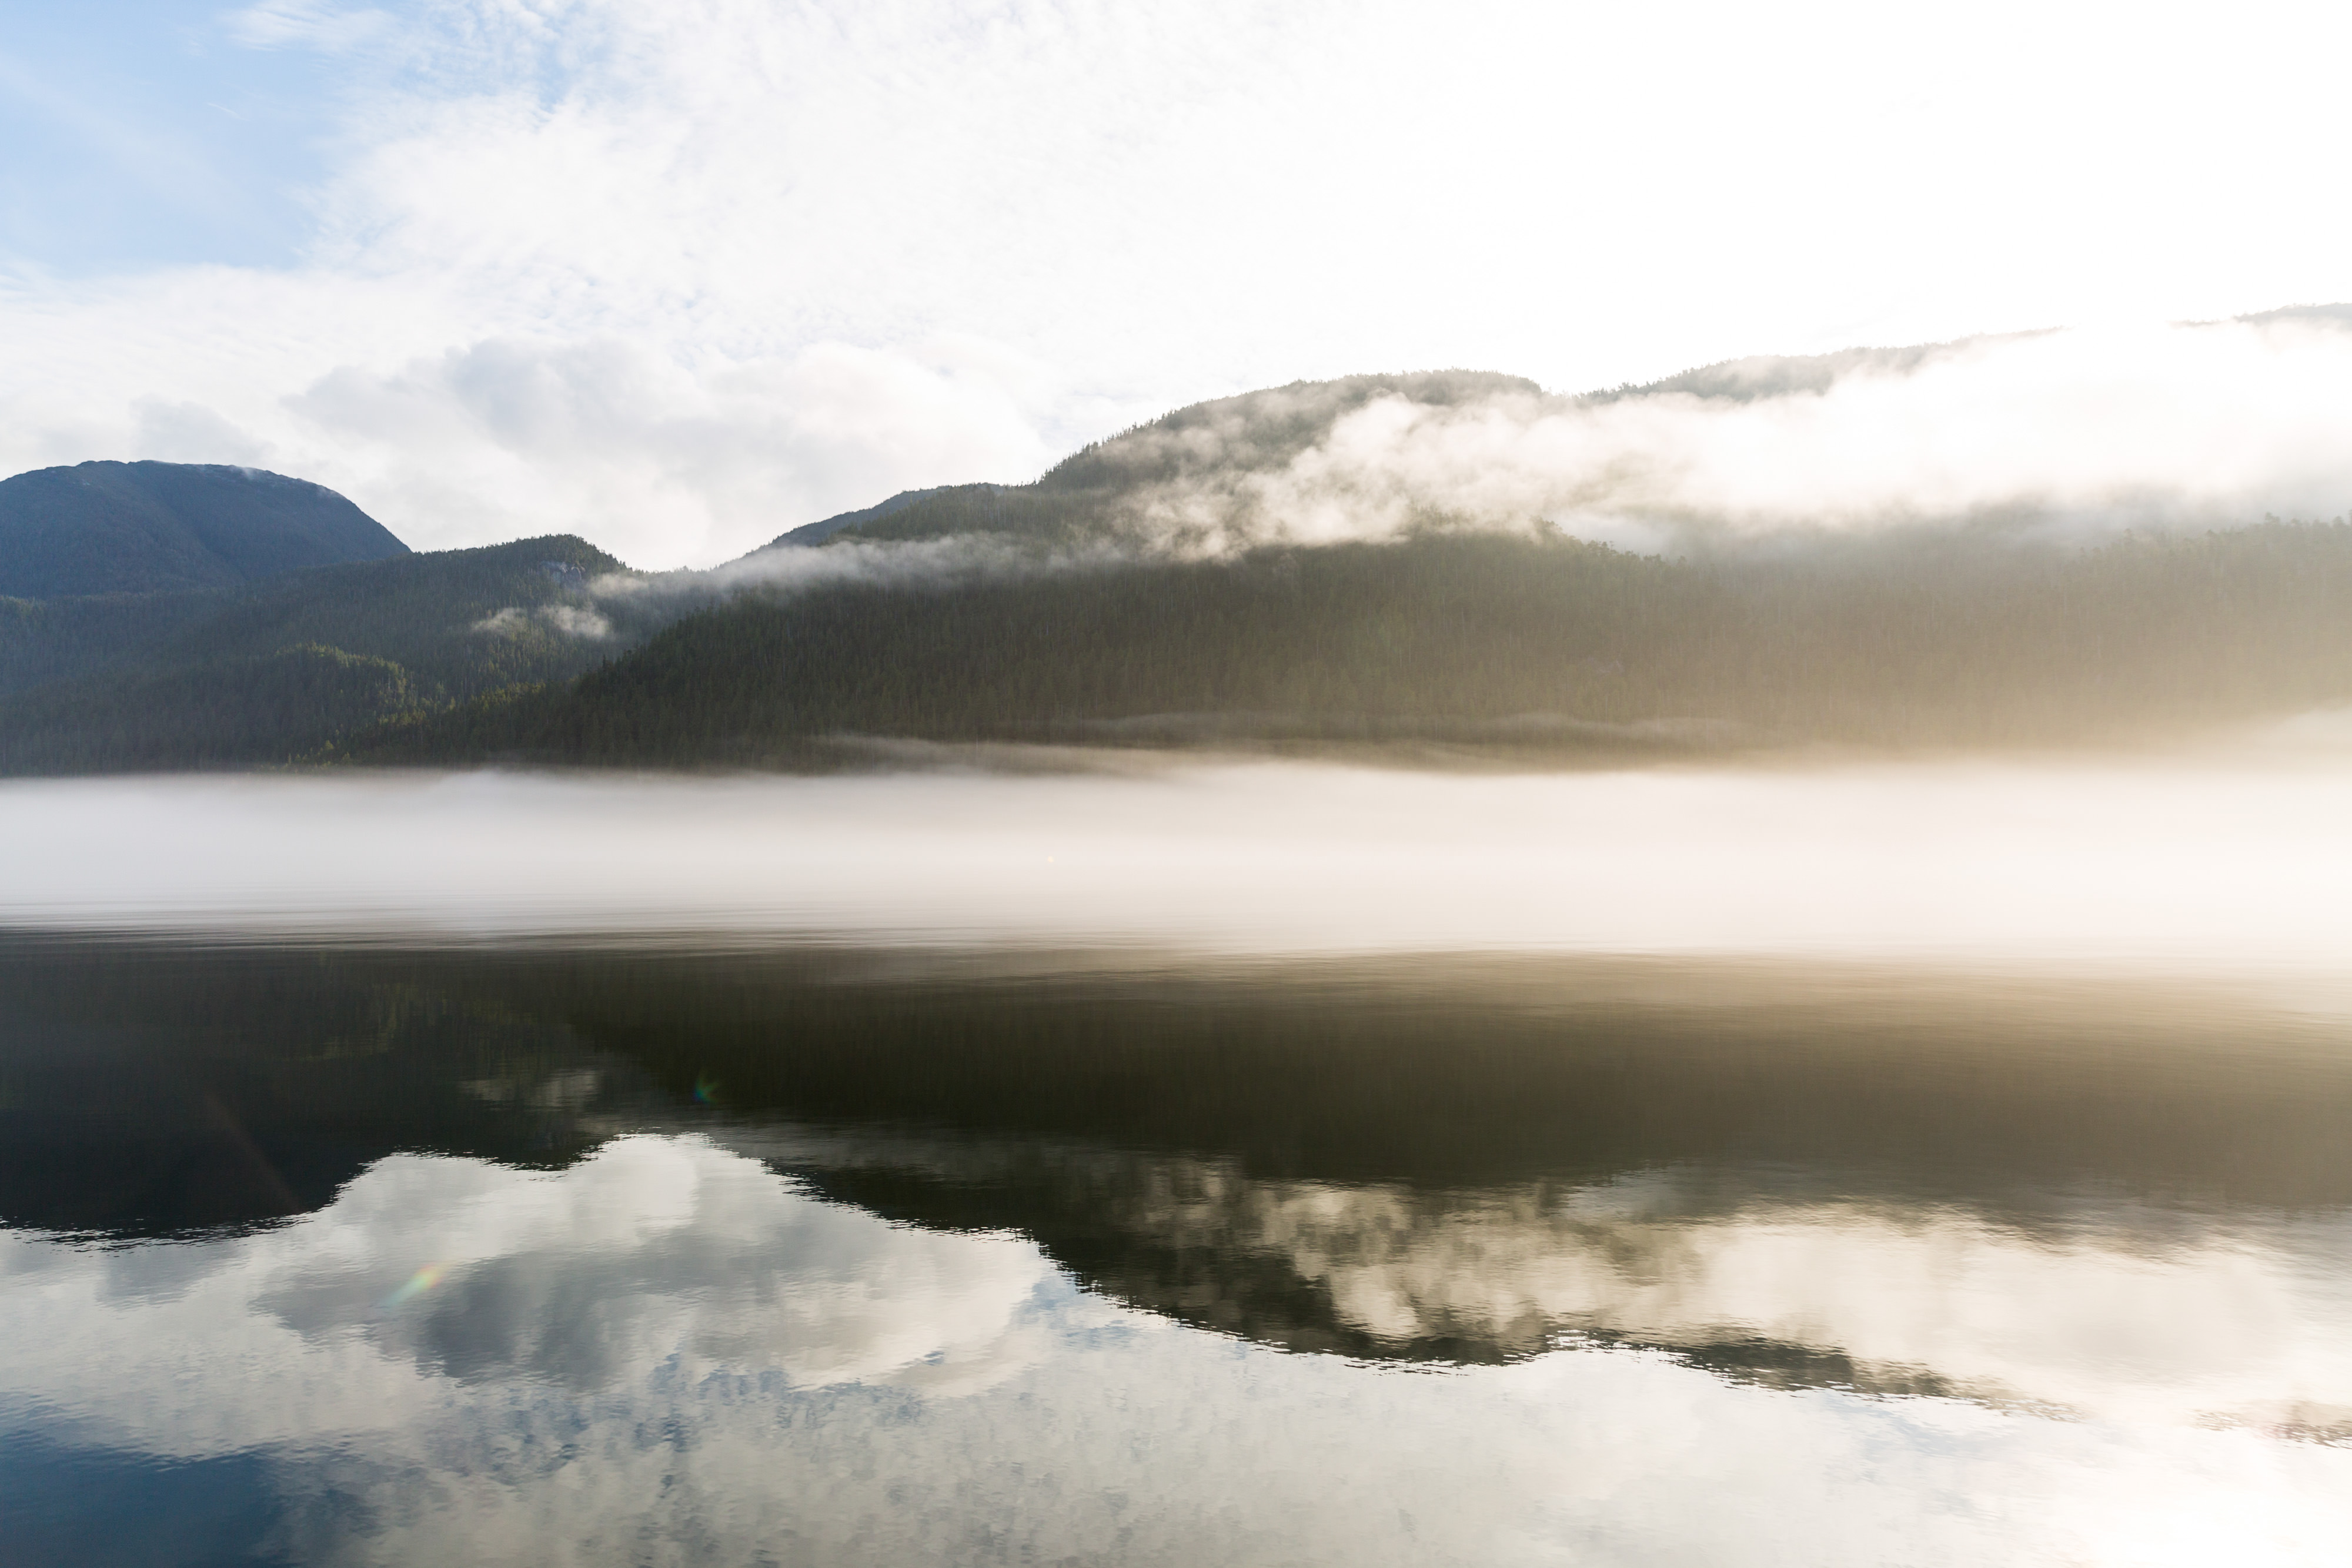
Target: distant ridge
(146, 527)
(817, 533)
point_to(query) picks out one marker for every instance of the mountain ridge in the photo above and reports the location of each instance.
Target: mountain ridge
(268, 672)
(817, 533)
(1066, 611)
(147, 527)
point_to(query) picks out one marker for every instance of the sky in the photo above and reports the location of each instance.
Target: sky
(677, 277)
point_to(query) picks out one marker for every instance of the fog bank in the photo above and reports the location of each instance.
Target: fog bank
(2207, 865)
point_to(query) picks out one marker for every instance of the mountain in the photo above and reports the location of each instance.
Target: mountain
(1074, 610)
(1497, 644)
(1101, 494)
(1759, 376)
(1090, 496)
(817, 533)
(1146, 592)
(271, 672)
(145, 527)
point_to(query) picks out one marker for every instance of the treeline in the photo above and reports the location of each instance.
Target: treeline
(271, 708)
(1499, 641)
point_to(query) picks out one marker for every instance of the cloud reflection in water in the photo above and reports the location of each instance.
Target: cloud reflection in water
(583, 1253)
(670, 1320)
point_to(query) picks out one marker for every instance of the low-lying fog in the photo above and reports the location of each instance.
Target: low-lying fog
(2222, 861)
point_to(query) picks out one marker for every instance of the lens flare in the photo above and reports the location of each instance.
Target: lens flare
(423, 1280)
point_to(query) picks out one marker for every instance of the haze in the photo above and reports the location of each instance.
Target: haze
(2223, 865)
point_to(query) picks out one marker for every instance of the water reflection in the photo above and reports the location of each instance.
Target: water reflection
(565, 1256)
(2121, 1311)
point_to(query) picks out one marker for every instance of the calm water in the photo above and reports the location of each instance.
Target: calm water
(636, 1254)
(1257, 1166)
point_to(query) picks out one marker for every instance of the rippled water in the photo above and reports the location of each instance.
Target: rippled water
(563, 1244)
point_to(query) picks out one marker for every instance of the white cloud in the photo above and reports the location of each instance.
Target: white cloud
(680, 277)
(2095, 431)
(306, 24)
(576, 620)
(607, 438)
(956, 560)
(187, 432)
(566, 620)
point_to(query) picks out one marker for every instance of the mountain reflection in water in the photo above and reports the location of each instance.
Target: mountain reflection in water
(645, 1254)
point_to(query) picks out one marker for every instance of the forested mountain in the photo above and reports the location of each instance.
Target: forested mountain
(1090, 608)
(146, 527)
(1518, 645)
(273, 672)
(817, 533)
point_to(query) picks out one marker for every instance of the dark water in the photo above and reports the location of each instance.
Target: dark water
(613, 1254)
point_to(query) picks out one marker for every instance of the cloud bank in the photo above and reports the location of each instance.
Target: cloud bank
(2074, 433)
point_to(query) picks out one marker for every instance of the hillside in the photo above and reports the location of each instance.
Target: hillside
(1074, 610)
(1518, 645)
(1147, 591)
(148, 528)
(824, 528)
(272, 672)
(1117, 492)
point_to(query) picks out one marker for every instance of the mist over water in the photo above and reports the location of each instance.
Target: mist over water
(2227, 861)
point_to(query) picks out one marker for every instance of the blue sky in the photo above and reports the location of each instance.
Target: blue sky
(143, 133)
(679, 274)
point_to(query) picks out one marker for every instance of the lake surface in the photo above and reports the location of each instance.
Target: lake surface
(437, 1171)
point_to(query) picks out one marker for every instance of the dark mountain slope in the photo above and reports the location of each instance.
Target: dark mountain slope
(144, 527)
(273, 671)
(462, 620)
(44, 640)
(817, 533)
(224, 712)
(1496, 640)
